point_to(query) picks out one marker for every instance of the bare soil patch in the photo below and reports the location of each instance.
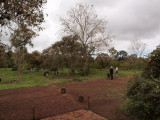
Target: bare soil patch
(20, 104)
(105, 96)
(77, 115)
(42, 102)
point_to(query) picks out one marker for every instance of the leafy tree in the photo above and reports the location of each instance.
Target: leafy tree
(113, 52)
(13, 13)
(29, 12)
(122, 55)
(9, 58)
(152, 69)
(83, 22)
(47, 58)
(35, 59)
(70, 50)
(19, 39)
(103, 60)
(52, 58)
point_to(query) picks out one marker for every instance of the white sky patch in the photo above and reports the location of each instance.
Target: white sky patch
(121, 45)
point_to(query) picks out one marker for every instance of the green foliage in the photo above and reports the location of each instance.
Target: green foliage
(29, 12)
(122, 55)
(69, 51)
(152, 69)
(34, 60)
(103, 60)
(143, 97)
(9, 59)
(27, 66)
(36, 78)
(113, 52)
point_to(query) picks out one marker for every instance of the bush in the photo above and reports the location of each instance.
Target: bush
(143, 99)
(152, 69)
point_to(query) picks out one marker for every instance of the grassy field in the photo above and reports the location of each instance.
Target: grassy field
(34, 78)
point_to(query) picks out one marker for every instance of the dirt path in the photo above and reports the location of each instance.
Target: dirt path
(105, 97)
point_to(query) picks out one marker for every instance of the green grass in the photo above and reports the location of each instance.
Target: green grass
(34, 78)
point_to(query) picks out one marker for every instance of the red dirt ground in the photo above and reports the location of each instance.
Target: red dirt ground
(105, 98)
(77, 115)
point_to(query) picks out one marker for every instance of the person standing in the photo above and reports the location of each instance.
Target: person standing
(111, 72)
(117, 72)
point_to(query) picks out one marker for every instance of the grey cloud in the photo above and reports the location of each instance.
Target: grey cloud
(128, 20)
(136, 19)
(104, 3)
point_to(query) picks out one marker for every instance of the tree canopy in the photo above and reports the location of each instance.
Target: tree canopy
(29, 12)
(13, 13)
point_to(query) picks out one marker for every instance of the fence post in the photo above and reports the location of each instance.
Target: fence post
(81, 99)
(63, 90)
(34, 116)
(89, 103)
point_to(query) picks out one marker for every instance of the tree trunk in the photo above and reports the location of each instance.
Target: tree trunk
(20, 74)
(85, 66)
(69, 72)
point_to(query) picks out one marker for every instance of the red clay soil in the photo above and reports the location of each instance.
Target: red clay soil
(42, 102)
(77, 115)
(105, 96)
(20, 104)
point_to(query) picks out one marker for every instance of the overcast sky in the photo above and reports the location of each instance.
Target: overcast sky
(127, 19)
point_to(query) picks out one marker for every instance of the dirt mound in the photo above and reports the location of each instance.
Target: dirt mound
(77, 115)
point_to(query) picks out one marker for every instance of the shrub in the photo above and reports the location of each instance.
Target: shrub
(152, 69)
(143, 99)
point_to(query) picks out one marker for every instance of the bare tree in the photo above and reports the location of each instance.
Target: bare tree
(83, 21)
(137, 47)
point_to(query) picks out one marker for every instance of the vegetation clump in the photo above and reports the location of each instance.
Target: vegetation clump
(143, 99)
(152, 69)
(143, 93)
